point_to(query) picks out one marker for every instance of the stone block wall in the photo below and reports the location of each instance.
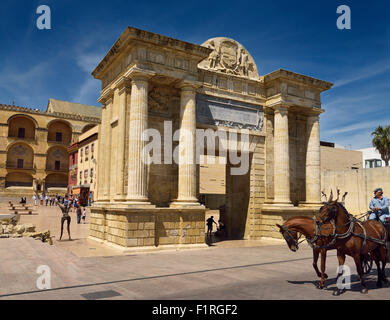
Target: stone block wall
(148, 227)
(271, 217)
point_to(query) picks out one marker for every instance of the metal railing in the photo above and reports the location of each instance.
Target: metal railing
(61, 168)
(14, 165)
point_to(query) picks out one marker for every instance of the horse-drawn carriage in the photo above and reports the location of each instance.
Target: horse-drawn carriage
(368, 259)
(334, 228)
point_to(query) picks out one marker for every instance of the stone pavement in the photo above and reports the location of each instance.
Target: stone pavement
(84, 268)
(265, 272)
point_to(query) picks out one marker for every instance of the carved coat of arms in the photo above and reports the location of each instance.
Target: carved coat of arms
(230, 57)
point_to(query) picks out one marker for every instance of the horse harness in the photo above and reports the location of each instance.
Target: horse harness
(352, 221)
(317, 224)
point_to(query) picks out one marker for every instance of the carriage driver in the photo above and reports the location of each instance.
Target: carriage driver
(379, 206)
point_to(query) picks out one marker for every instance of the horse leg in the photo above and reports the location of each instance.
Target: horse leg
(316, 253)
(323, 266)
(383, 257)
(359, 268)
(341, 259)
(376, 255)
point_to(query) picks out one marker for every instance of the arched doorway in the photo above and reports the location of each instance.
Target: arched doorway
(57, 159)
(56, 181)
(20, 156)
(59, 132)
(21, 127)
(18, 179)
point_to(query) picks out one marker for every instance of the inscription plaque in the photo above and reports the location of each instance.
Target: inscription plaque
(228, 113)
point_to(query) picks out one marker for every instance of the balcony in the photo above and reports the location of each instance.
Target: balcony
(12, 138)
(54, 142)
(60, 168)
(20, 166)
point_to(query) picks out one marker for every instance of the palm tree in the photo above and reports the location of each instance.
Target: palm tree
(381, 142)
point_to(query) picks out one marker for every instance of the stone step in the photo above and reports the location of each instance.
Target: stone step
(24, 212)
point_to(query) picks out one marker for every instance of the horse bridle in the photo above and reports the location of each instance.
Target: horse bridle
(311, 241)
(288, 236)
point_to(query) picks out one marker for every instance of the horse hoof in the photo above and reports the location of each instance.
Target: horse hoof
(320, 286)
(364, 291)
(336, 293)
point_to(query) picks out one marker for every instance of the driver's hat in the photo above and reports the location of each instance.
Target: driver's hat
(378, 190)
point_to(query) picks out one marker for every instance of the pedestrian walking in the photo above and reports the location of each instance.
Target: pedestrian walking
(34, 197)
(41, 199)
(78, 211)
(210, 222)
(84, 215)
(46, 199)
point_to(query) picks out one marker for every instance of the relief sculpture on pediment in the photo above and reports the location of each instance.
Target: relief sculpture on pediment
(229, 57)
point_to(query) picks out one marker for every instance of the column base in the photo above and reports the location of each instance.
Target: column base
(281, 204)
(314, 204)
(186, 204)
(132, 205)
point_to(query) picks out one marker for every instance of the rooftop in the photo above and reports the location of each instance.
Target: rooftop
(61, 106)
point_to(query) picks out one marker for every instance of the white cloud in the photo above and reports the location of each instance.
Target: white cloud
(88, 92)
(88, 62)
(364, 73)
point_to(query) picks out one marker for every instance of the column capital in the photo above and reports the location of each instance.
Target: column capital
(136, 73)
(106, 97)
(122, 83)
(313, 118)
(186, 85)
(280, 108)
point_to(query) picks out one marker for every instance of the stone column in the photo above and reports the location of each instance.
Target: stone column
(313, 169)
(137, 168)
(187, 148)
(281, 157)
(120, 141)
(105, 145)
(100, 168)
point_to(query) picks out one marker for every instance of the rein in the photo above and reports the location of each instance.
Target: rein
(335, 236)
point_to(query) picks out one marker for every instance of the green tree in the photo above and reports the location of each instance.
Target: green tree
(381, 142)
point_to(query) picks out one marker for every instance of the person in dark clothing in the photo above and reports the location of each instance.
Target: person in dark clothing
(78, 211)
(65, 217)
(209, 223)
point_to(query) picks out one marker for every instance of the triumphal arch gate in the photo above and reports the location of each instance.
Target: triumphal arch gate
(164, 102)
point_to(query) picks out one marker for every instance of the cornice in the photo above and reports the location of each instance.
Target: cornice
(134, 34)
(293, 76)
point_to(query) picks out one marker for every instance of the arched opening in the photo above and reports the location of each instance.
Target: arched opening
(21, 127)
(56, 180)
(18, 179)
(20, 156)
(88, 127)
(59, 132)
(57, 159)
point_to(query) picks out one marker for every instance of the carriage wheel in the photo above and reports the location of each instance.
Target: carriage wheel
(367, 264)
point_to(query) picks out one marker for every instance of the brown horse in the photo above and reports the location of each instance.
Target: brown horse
(356, 239)
(306, 227)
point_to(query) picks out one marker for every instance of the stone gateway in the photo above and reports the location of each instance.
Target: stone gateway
(148, 79)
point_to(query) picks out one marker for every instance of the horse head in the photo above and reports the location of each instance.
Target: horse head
(290, 236)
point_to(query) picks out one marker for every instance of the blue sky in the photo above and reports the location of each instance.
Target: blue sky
(300, 36)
